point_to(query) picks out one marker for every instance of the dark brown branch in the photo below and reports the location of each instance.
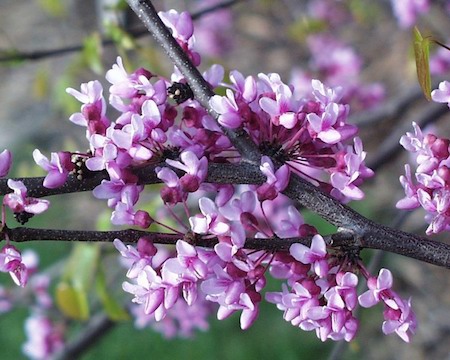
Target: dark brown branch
(130, 236)
(376, 237)
(217, 173)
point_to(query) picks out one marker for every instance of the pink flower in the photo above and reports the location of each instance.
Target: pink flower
(322, 126)
(407, 11)
(150, 291)
(400, 319)
(196, 170)
(123, 84)
(226, 106)
(5, 162)
(350, 173)
(137, 258)
(179, 23)
(280, 109)
(295, 304)
(185, 270)
(228, 288)
(276, 182)
(316, 255)
(210, 220)
(442, 95)
(93, 111)
(44, 338)
(182, 30)
(383, 283)
(11, 261)
(19, 201)
(58, 168)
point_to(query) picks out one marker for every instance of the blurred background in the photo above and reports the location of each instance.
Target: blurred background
(49, 45)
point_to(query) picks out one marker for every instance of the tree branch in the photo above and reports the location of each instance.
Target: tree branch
(217, 173)
(376, 237)
(135, 33)
(97, 327)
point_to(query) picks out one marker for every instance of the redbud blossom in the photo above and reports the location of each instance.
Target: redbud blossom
(5, 162)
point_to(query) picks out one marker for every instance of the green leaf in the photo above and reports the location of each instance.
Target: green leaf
(91, 54)
(304, 27)
(422, 56)
(41, 84)
(82, 265)
(72, 301)
(121, 38)
(112, 308)
(53, 7)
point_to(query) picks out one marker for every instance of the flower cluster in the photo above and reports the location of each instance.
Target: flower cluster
(160, 125)
(429, 188)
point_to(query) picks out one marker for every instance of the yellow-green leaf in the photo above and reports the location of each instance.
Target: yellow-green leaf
(422, 55)
(112, 308)
(92, 50)
(82, 265)
(120, 37)
(41, 84)
(72, 301)
(53, 7)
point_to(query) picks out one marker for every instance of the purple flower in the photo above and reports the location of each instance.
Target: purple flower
(442, 95)
(410, 201)
(400, 319)
(44, 338)
(150, 291)
(245, 87)
(185, 270)
(345, 289)
(226, 106)
(295, 304)
(228, 288)
(58, 168)
(316, 255)
(322, 126)
(280, 108)
(182, 30)
(92, 115)
(350, 172)
(276, 182)
(5, 162)
(11, 261)
(124, 213)
(383, 283)
(196, 170)
(138, 258)
(179, 23)
(131, 137)
(123, 84)
(211, 221)
(19, 201)
(407, 11)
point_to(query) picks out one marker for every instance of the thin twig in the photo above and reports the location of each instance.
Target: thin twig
(135, 33)
(97, 327)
